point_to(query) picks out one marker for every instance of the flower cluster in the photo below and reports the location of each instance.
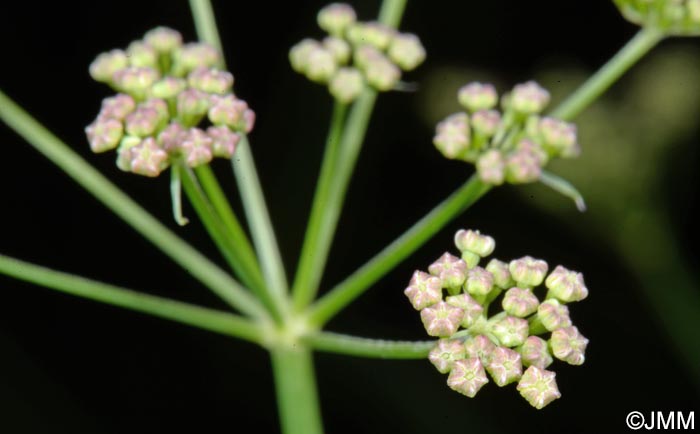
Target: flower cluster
(512, 146)
(525, 335)
(673, 17)
(167, 90)
(355, 53)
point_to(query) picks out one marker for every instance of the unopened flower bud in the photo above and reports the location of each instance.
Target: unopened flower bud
(192, 105)
(406, 51)
(336, 17)
(528, 271)
(441, 319)
(538, 387)
(491, 167)
(423, 290)
(168, 87)
(340, 49)
(210, 80)
(194, 55)
(522, 167)
(299, 54)
(142, 55)
(147, 158)
(553, 315)
(467, 377)
(196, 147)
(446, 353)
(472, 309)
(171, 137)
(477, 96)
(104, 134)
(233, 112)
(452, 135)
(479, 282)
(371, 33)
(451, 270)
(135, 81)
(510, 331)
(535, 149)
(520, 302)
(163, 39)
(535, 352)
(320, 65)
(365, 54)
(486, 122)
(224, 141)
(142, 122)
(567, 286)
(124, 152)
(381, 74)
(346, 85)
(501, 274)
(104, 66)
(505, 366)
(558, 137)
(528, 98)
(160, 106)
(117, 106)
(474, 241)
(480, 347)
(569, 345)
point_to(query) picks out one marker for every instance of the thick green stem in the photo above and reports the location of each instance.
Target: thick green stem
(297, 397)
(196, 316)
(357, 283)
(598, 83)
(372, 348)
(123, 206)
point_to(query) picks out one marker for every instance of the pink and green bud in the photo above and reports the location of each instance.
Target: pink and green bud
(505, 366)
(136, 81)
(340, 49)
(232, 112)
(117, 106)
(192, 56)
(451, 270)
(480, 347)
(168, 87)
(453, 135)
(553, 315)
(523, 167)
(299, 54)
(105, 65)
(163, 39)
(479, 282)
(558, 137)
(446, 353)
(538, 387)
(510, 331)
(210, 80)
(336, 18)
(423, 290)
(486, 122)
(160, 106)
(535, 352)
(475, 242)
(406, 51)
(142, 55)
(467, 377)
(477, 96)
(381, 74)
(143, 122)
(124, 152)
(528, 98)
(346, 85)
(171, 137)
(472, 309)
(491, 167)
(104, 134)
(320, 65)
(441, 319)
(501, 274)
(528, 271)
(520, 302)
(192, 105)
(372, 33)
(364, 54)
(147, 158)
(569, 345)
(565, 285)
(196, 147)
(224, 141)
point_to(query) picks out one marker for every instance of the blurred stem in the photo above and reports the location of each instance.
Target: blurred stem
(311, 264)
(207, 319)
(123, 206)
(391, 12)
(205, 23)
(358, 282)
(371, 348)
(598, 83)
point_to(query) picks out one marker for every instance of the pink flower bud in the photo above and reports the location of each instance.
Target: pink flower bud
(346, 85)
(467, 377)
(501, 274)
(477, 96)
(491, 167)
(160, 106)
(171, 137)
(224, 141)
(423, 290)
(364, 54)
(194, 55)
(231, 111)
(538, 387)
(192, 105)
(522, 167)
(520, 302)
(142, 55)
(441, 319)
(117, 106)
(567, 286)
(528, 271)
(446, 353)
(105, 65)
(553, 315)
(486, 122)
(104, 134)
(480, 347)
(535, 352)
(474, 241)
(142, 122)
(196, 147)
(528, 98)
(406, 51)
(451, 270)
(336, 17)
(504, 366)
(381, 74)
(510, 331)
(340, 49)
(136, 81)
(124, 152)
(147, 158)
(558, 137)
(479, 282)
(472, 309)
(163, 39)
(569, 345)
(453, 136)
(210, 80)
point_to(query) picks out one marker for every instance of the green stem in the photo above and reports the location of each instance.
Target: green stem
(123, 206)
(357, 283)
(196, 316)
(391, 12)
(598, 83)
(205, 23)
(297, 397)
(260, 224)
(310, 264)
(372, 348)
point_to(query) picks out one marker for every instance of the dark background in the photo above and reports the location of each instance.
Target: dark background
(73, 366)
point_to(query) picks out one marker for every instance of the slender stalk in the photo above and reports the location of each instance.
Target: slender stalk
(372, 348)
(598, 83)
(207, 319)
(205, 23)
(358, 282)
(260, 224)
(123, 206)
(309, 263)
(391, 12)
(297, 397)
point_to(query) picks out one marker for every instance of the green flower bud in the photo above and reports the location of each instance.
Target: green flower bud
(446, 353)
(196, 147)
(474, 241)
(144, 121)
(346, 85)
(491, 167)
(299, 54)
(520, 302)
(364, 54)
(381, 74)
(210, 80)
(472, 309)
(501, 274)
(233, 112)
(192, 105)
(135, 81)
(321, 65)
(673, 17)
(533, 148)
(451, 270)
(163, 39)
(224, 141)
(480, 347)
(105, 65)
(340, 49)
(372, 33)
(406, 51)
(569, 345)
(452, 135)
(148, 159)
(522, 167)
(486, 122)
(168, 87)
(558, 137)
(505, 366)
(124, 152)
(192, 56)
(538, 387)
(528, 98)
(477, 96)
(160, 106)
(528, 271)
(142, 55)
(336, 18)
(423, 290)
(441, 319)
(479, 282)
(567, 286)
(510, 331)
(467, 377)
(117, 106)
(104, 134)
(553, 315)
(535, 352)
